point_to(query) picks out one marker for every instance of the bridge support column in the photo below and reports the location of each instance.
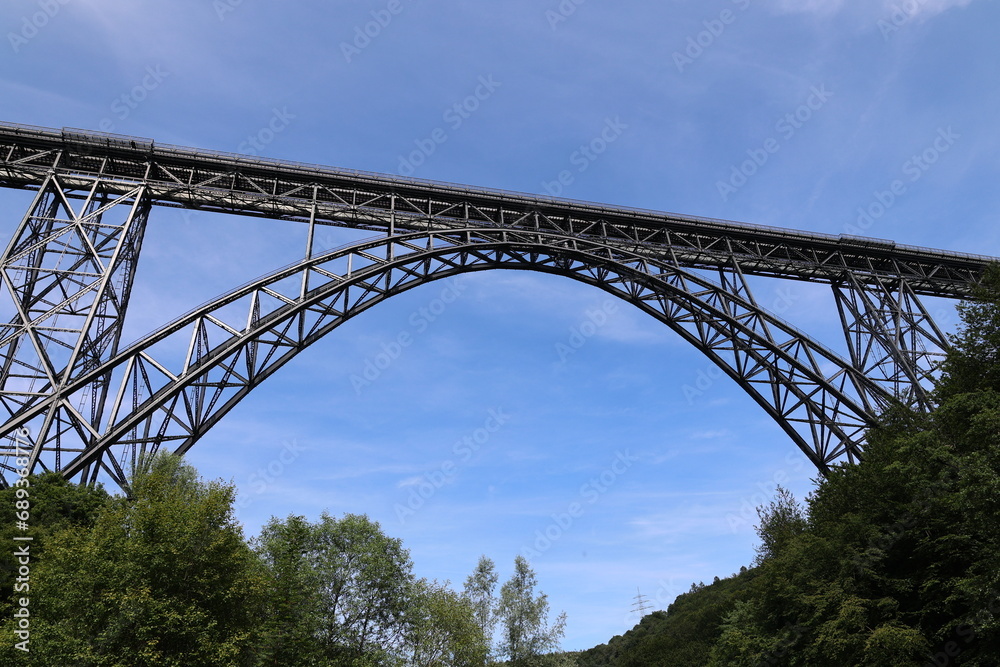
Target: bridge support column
(892, 338)
(67, 276)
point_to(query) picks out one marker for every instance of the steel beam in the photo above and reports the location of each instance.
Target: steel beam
(317, 195)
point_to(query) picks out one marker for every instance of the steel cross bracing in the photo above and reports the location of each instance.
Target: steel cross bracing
(91, 408)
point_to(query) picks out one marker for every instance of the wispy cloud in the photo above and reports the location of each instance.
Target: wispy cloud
(922, 8)
(926, 8)
(810, 6)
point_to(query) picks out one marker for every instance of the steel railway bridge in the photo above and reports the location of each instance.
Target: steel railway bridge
(74, 399)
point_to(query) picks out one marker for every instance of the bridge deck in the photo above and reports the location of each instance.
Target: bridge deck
(240, 184)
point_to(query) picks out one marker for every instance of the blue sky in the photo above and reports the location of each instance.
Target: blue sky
(484, 412)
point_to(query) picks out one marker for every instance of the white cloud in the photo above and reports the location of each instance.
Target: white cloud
(809, 6)
(710, 435)
(687, 523)
(925, 8)
(410, 481)
(913, 8)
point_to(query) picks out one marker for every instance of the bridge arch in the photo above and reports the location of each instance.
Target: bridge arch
(159, 397)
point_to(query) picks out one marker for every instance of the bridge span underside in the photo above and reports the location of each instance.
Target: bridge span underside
(75, 400)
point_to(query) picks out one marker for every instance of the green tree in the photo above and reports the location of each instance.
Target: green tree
(480, 591)
(526, 634)
(294, 620)
(973, 362)
(364, 576)
(780, 521)
(742, 643)
(682, 636)
(163, 578)
(55, 504)
(442, 629)
(340, 587)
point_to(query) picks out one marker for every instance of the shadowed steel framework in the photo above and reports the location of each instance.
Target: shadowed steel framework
(93, 405)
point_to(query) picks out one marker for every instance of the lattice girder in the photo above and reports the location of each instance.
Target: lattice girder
(166, 397)
(891, 337)
(67, 276)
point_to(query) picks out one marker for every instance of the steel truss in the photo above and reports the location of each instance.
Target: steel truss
(891, 337)
(92, 408)
(69, 271)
